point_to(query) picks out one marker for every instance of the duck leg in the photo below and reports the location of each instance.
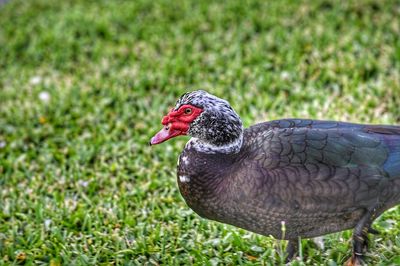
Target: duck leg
(291, 249)
(360, 239)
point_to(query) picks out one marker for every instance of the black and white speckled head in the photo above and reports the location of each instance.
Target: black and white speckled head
(218, 127)
(211, 121)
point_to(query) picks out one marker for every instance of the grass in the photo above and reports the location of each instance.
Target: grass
(84, 84)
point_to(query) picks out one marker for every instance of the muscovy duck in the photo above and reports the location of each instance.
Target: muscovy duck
(318, 177)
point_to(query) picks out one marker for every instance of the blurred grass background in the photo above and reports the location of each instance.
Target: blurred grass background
(84, 84)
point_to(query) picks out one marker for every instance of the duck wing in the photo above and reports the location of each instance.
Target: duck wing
(308, 166)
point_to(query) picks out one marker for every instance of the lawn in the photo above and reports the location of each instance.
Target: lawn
(84, 85)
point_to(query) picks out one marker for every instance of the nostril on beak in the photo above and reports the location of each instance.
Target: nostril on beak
(167, 127)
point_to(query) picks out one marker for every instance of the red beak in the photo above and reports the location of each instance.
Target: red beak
(165, 134)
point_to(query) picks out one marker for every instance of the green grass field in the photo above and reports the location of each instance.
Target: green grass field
(84, 85)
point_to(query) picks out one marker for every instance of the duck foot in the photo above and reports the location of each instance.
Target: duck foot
(360, 239)
(355, 260)
(360, 243)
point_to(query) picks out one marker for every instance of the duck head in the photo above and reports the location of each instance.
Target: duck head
(203, 116)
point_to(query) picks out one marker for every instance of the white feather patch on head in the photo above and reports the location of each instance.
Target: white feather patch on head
(185, 160)
(182, 160)
(184, 178)
(201, 146)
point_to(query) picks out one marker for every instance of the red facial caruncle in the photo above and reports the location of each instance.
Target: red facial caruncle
(176, 123)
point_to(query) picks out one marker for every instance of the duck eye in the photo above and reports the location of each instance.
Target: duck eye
(188, 111)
